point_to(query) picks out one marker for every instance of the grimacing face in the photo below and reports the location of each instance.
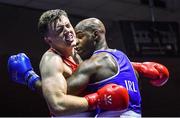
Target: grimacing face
(85, 43)
(62, 33)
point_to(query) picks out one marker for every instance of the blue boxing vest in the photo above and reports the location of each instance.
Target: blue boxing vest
(125, 77)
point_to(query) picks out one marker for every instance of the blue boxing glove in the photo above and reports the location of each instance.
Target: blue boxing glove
(21, 71)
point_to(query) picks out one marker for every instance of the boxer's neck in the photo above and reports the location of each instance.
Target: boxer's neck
(101, 45)
(69, 54)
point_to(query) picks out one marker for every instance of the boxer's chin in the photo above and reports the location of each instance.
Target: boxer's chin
(71, 43)
(81, 52)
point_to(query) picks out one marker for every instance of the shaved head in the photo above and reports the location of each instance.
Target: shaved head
(91, 24)
(90, 34)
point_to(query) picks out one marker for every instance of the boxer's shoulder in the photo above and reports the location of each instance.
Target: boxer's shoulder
(105, 60)
(100, 66)
(50, 61)
(50, 56)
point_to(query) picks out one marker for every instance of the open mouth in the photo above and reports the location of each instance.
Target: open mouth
(69, 38)
(78, 49)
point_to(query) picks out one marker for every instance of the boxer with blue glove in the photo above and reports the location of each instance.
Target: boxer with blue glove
(97, 60)
(21, 71)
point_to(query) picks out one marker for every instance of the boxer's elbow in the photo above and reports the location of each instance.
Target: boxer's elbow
(55, 97)
(58, 109)
(57, 105)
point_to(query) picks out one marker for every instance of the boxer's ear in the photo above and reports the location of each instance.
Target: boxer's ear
(96, 35)
(48, 40)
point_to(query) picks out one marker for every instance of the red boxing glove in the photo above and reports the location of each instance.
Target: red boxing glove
(158, 73)
(109, 97)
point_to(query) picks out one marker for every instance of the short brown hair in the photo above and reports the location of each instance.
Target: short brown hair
(48, 17)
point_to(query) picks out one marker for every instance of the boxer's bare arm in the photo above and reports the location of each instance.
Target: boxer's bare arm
(54, 88)
(98, 67)
(81, 77)
(38, 87)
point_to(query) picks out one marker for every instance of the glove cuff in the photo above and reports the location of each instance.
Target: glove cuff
(92, 101)
(31, 77)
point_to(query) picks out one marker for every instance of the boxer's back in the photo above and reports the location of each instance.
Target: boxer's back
(124, 76)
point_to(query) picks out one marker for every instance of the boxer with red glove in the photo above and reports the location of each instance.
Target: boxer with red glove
(157, 73)
(109, 97)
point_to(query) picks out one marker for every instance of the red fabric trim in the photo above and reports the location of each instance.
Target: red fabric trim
(68, 62)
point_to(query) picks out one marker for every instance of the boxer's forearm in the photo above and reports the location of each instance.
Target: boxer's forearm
(77, 83)
(67, 105)
(38, 87)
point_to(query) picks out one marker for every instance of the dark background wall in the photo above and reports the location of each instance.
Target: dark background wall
(18, 33)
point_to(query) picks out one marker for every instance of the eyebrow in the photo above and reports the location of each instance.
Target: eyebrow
(60, 25)
(79, 31)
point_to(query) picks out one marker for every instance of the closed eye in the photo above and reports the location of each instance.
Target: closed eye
(80, 35)
(68, 25)
(59, 29)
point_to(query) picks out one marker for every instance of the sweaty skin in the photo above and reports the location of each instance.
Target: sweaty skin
(60, 36)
